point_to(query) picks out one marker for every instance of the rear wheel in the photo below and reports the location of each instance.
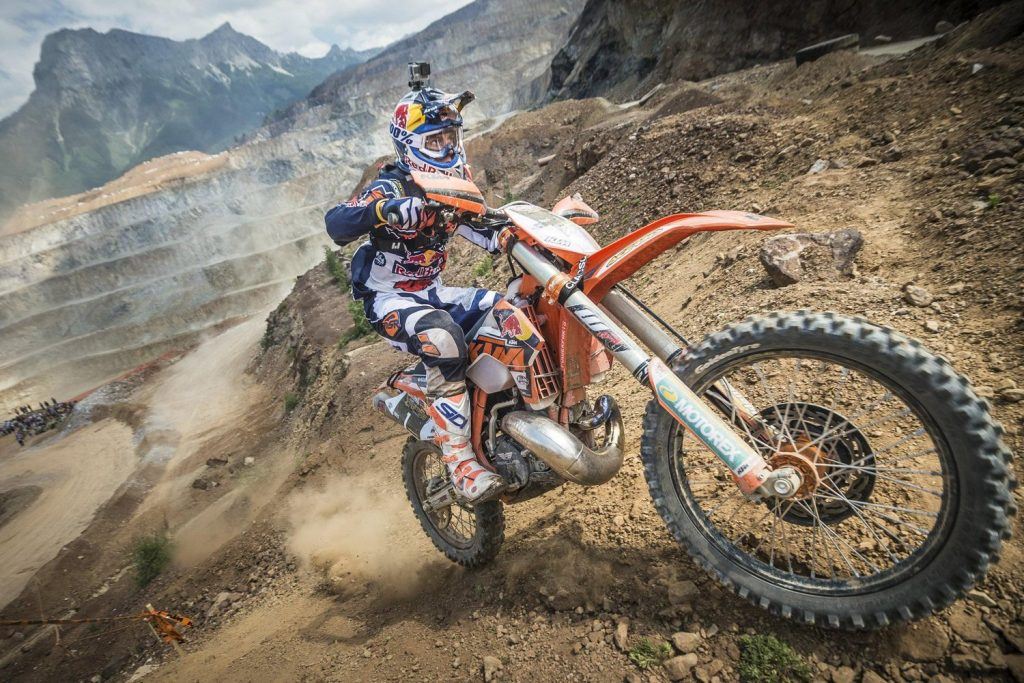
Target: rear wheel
(906, 495)
(470, 535)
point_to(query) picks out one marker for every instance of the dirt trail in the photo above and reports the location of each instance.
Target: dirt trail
(76, 475)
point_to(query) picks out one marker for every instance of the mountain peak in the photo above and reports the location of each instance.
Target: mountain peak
(224, 29)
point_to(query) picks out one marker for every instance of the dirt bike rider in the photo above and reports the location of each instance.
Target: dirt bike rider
(396, 271)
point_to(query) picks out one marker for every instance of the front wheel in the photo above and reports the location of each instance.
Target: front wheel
(470, 535)
(906, 497)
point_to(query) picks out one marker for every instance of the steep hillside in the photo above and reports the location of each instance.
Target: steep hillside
(316, 569)
(619, 49)
(105, 102)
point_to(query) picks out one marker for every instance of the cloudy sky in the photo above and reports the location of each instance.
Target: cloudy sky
(305, 26)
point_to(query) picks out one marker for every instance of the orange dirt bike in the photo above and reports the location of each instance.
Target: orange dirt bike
(825, 468)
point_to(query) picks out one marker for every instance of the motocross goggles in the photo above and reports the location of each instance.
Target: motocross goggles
(442, 145)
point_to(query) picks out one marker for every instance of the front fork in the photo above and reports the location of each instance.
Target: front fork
(753, 475)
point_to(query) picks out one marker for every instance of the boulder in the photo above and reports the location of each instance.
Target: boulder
(780, 255)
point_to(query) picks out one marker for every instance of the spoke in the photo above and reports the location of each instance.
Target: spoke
(734, 419)
(915, 454)
(853, 550)
(735, 494)
(813, 510)
(830, 478)
(775, 524)
(831, 535)
(914, 487)
(758, 522)
(895, 560)
(775, 521)
(897, 521)
(880, 506)
(920, 431)
(899, 442)
(843, 468)
(785, 544)
(769, 395)
(849, 421)
(789, 390)
(736, 511)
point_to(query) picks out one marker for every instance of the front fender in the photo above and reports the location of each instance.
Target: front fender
(626, 255)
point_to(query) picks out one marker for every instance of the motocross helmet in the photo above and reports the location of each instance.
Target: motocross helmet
(426, 130)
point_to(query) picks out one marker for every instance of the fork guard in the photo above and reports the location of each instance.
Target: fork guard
(563, 452)
(748, 467)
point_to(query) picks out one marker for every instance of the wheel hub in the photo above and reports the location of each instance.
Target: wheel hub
(805, 459)
(829, 460)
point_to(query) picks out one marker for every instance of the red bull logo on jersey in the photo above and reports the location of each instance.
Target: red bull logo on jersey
(424, 264)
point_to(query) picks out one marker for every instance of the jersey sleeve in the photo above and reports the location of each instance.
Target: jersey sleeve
(485, 238)
(355, 218)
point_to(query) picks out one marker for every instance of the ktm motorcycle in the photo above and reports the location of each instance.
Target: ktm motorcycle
(822, 467)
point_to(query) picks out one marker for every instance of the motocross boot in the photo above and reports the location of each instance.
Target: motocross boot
(472, 481)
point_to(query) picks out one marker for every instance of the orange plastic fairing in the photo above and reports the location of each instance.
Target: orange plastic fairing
(626, 255)
(462, 194)
(575, 209)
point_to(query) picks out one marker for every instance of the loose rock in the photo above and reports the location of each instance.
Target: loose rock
(780, 255)
(843, 674)
(622, 634)
(491, 666)
(926, 642)
(917, 296)
(686, 642)
(678, 668)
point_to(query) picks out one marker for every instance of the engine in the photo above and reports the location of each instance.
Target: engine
(527, 475)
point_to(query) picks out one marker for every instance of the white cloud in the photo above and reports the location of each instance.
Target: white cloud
(308, 27)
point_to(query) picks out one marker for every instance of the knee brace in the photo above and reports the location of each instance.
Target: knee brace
(441, 344)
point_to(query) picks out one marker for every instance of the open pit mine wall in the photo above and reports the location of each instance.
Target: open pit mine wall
(86, 298)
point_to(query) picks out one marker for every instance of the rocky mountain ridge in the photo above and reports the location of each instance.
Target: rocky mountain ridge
(105, 102)
(622, 48)
(491, 47)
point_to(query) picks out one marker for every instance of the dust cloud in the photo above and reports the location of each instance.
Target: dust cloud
(361, 534)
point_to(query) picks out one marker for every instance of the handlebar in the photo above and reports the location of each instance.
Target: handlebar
(394, 218)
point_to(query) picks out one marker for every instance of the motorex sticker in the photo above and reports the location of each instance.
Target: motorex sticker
(711, 431)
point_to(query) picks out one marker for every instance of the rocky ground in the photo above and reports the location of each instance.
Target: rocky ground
(333, 579)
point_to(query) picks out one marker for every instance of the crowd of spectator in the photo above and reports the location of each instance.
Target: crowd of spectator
(28, 421)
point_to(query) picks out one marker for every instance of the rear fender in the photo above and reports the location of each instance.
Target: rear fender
(626, 255)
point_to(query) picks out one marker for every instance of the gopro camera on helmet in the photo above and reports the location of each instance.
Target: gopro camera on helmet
(419, 75)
